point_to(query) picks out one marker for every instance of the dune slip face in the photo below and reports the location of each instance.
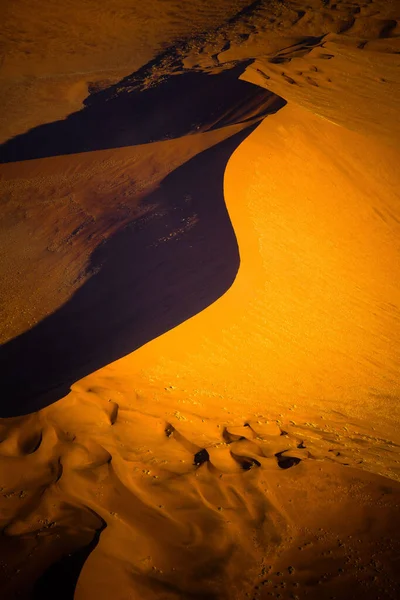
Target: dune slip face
(199, 255)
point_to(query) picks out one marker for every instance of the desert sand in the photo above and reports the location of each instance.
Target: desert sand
(200, 320)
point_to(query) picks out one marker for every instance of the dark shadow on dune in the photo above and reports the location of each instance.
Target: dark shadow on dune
(60, 579)
(161, 269)
(127, 115)
(153, 275)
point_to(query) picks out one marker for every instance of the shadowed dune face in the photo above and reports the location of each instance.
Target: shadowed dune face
(180, 105)
(151, 276)
(246, 443)
(162, 268)
(52, 58)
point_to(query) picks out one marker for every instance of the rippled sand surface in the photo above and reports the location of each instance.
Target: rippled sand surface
(200, 306)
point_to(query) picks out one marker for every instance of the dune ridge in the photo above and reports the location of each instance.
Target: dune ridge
(249, 447)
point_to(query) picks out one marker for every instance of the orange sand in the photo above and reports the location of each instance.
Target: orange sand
(252, 449)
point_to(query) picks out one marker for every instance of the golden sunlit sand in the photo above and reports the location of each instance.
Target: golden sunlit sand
(200, 302)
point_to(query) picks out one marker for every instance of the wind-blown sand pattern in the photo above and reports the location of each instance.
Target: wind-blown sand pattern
(200, 307)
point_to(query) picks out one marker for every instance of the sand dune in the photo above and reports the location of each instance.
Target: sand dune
(52, 58)
(112, 280)
(214, 202)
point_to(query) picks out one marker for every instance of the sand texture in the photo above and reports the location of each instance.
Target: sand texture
(199, 304)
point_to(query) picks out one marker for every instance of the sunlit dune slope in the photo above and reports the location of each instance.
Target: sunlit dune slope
(244, 272)
(100, 223)
(66, 206)
(311, 320)
(219, 460)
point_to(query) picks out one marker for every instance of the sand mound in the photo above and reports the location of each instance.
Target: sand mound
(122, 495)
(246, 443)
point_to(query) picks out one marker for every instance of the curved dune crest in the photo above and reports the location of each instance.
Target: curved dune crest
(214, 486)
(249, 446)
